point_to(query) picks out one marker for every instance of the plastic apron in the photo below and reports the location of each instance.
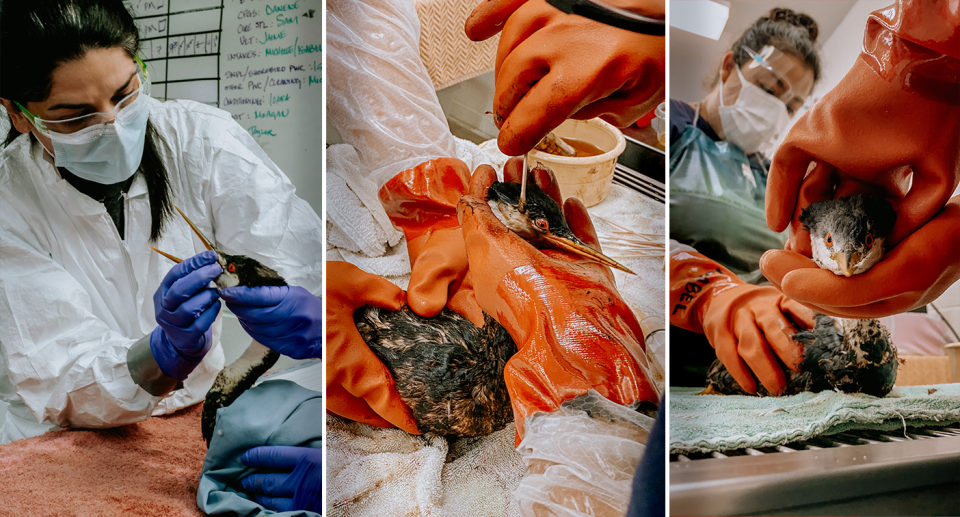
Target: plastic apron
(716, 203)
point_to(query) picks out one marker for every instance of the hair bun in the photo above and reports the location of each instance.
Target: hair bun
(779, 14)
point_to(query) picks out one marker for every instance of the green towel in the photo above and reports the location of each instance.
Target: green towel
(705, 423)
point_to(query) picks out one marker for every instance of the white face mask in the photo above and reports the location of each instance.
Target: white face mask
(110, 157)
(754, 119)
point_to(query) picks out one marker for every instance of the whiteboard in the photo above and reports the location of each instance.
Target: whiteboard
(260, 60)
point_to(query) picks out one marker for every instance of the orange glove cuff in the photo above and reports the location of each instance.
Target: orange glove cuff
(695, 281)
(425, 197)
(915, 45)
(570, 341)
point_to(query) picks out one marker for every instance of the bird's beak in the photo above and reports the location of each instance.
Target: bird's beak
(200, 235)
(845, 264)
(585, 251)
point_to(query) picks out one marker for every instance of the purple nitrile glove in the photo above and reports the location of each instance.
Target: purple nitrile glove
(297, 488)
(286, 319)
(185, 307)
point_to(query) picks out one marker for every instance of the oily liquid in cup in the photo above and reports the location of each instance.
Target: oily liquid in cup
(583, 147)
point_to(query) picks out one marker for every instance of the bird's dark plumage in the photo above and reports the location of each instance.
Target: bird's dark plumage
(240, 375)
(447, 370)
(852, 356)
(848, 355)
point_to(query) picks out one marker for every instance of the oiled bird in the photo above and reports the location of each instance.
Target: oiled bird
(240, 375)
(849, 355)
(448, 371)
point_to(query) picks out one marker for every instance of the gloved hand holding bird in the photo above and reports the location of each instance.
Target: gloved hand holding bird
(847, 236)
(450, 372)
(284, 318)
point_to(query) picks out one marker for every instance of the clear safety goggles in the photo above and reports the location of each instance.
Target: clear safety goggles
(770, 70)
(99, 119)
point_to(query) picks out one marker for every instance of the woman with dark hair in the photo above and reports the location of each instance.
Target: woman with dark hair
(717, 183)
(96, 329)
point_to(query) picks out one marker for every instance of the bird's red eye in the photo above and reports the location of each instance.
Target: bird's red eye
(542, 224)
(231, 268)
(869, 240)
(829, 240)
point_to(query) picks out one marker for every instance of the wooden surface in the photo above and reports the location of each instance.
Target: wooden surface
(918, 370)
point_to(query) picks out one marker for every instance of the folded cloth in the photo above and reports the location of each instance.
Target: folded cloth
(356, 220)
(275, 412)
(705, 423)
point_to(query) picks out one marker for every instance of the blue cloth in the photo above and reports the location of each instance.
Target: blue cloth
(274, 413)
(650, 481)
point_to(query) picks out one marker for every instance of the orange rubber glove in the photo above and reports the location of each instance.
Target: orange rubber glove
(422, 202)
(899, 282)
(552, 66)
(359, 386)
(750, 327)
(573, 331)
(894, 119)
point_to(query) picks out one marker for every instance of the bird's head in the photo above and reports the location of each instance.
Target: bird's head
(241, 270)
(541, 223)
(237, 269)
(847, 234)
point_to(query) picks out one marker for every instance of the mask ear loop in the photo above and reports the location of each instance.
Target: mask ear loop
(737, 69)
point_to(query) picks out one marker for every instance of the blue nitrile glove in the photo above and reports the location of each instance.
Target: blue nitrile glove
(185, 307)
(297, 488)
(285, 318)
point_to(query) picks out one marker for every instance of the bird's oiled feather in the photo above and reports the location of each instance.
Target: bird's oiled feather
(447, 370)
(860, 360)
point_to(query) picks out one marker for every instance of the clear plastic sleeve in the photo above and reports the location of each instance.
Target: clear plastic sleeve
(581, 458)
(380, 97)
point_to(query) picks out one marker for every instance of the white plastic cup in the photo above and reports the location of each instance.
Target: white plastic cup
(660, 123)
(588, 178)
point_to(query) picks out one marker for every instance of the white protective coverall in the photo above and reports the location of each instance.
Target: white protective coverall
(74, 296)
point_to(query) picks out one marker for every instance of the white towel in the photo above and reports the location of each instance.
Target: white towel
(582, 455)
(356, 219)
(387, 472)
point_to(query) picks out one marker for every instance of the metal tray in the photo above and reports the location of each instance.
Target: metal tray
(911, 472)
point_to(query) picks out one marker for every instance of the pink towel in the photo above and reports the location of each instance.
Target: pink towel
(149, 468)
